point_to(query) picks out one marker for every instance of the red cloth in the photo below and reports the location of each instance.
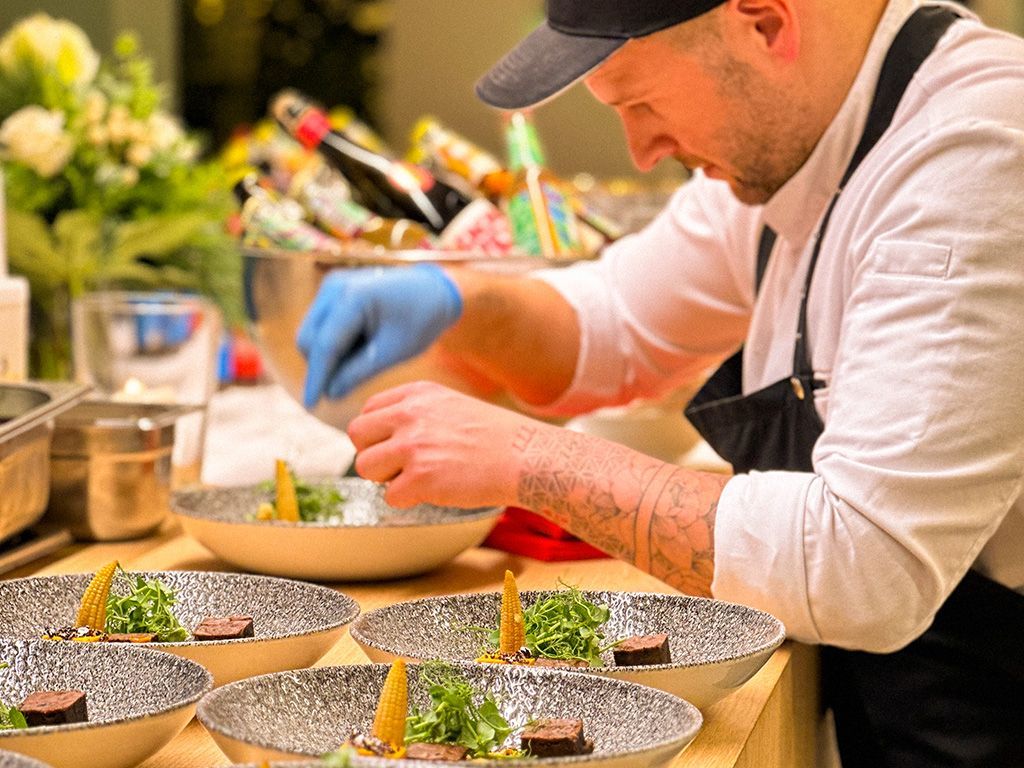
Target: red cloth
(525, 533)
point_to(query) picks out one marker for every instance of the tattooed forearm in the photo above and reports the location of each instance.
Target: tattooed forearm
(656, 515)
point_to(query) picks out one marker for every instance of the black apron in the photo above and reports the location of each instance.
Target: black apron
(954, 696)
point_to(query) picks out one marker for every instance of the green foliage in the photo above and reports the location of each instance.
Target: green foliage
(564, 626)
(453, 717)
(10, 717)
(146, 608)
(122, 200)
(318, 502)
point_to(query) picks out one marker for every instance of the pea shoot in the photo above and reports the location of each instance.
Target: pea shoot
(10, 717)
(565, 626)
(146, 608)
(454, 718)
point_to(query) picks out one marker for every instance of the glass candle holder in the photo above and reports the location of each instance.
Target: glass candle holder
(158, 347)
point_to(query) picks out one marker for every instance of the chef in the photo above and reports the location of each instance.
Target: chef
(851, 245)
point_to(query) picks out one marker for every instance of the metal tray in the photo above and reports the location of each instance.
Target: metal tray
(26, 426)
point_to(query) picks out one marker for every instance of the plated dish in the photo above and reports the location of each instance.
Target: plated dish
(365, 540)
(134, 701)
(712, 647)
(269, 717)
(235, 625)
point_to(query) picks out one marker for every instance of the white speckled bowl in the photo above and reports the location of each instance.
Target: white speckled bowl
(715, 646)
(294, 623)
(137, 700)
(313, 711)
(374, 541)
(15, 760)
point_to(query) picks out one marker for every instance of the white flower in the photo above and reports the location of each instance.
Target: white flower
(139, 154)
(164, 131)
(35, 137)
(94, 106)
(119, 123)
(43, 42)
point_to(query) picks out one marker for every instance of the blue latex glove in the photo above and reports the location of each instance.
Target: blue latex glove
(365, 320)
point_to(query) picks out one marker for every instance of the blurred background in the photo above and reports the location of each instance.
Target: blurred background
(389, 60)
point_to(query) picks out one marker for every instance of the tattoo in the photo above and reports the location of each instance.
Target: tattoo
(655, 515)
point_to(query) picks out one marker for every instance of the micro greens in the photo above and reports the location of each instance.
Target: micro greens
(318, 502)
(146, 608)
(564, 626)
(10, 717)
(453, 718)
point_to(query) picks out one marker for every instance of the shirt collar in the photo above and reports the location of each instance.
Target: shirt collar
(797, 207)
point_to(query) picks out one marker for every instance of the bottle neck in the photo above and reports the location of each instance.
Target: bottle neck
(523, 145)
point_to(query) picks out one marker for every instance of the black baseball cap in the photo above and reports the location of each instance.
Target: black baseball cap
(576, 37)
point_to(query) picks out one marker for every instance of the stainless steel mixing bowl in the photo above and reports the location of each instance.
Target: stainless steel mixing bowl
(280, 286)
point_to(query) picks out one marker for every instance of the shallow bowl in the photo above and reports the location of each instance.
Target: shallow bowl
(715, 646)
(313, 711)
(137, 700)
(373, 541)
(294, 623)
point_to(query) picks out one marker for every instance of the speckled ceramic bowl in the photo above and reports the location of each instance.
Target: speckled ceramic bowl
(137, 700)
(372, 541)
(294, 623)
(313, 711)
(15, 760)
(715, 646)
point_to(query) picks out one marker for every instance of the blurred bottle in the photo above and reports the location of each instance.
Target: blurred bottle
(273, 222)
(345, 122)
(392, 188)
(326, 196)
(434, 144)
(543, 221)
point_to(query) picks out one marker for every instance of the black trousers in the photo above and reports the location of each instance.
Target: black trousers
(952, 698)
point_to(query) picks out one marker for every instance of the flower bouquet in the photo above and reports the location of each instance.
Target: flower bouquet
(104, 187)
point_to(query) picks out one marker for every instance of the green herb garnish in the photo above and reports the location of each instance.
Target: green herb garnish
(146, 608)
(10, 717)
(453, 718)
(317, 502)
(564, 626)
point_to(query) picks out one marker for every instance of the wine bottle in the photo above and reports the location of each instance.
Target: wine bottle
(270, 221)
(408, 190)
(326, 197)
(433, 143)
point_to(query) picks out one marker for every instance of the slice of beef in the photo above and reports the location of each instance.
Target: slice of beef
(642, 649)
(223, 628)
(442, 753)
(553, 737)
(54, 708)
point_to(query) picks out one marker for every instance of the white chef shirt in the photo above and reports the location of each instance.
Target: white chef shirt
(915, 324)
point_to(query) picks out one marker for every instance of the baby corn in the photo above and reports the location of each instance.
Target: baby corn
(389, 721)
(93, 611)
(511, 629)
(287, 502)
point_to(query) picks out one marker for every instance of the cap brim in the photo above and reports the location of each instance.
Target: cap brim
(543, 65)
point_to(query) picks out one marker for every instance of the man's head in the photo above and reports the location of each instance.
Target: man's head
(741, 88)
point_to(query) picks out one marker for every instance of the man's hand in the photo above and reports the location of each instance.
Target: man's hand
(366, 320)
(432, 444)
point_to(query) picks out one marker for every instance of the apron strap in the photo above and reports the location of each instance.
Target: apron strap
(912, 45)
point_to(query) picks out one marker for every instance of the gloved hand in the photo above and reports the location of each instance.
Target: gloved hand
(363, 321)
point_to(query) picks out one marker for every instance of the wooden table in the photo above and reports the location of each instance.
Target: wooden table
(771, 722)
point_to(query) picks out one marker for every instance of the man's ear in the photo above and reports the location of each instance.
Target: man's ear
(770, 25)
